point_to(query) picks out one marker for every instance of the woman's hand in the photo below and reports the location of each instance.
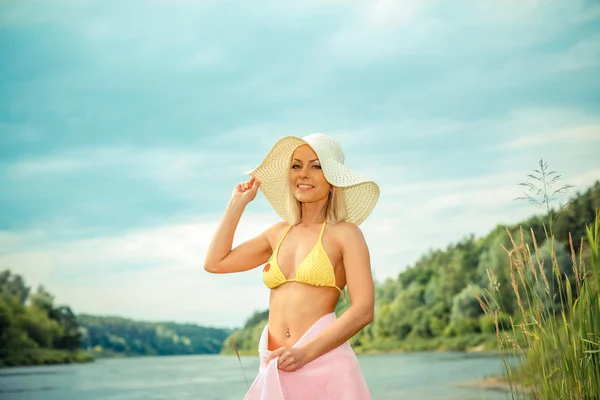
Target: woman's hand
(246, 191)
(290, 358)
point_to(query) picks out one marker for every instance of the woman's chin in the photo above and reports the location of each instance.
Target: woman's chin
(303, 198)
(307, 197)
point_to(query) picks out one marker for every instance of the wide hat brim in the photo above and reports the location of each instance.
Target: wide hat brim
(360, 194)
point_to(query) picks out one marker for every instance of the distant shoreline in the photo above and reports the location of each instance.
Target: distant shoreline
(42, 357)
(477, 343)
(497, 383)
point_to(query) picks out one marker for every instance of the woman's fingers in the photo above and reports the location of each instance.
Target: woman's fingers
(275, 353)
(252, 184)
(285, 364)
(255, 184)
(248, 184)
(243, 186)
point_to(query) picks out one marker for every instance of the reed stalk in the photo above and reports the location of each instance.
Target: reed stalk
(552, 349)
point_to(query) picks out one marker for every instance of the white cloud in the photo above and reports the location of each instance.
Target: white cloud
(522, 10)
(8, 239)
(583, 55)
(509, 10)
(151, 163)
(418, 216)
(387, 29)
(46, 166)
(581, 135)
(381, 30)
(147, 273)
(208, 57)
(549, 65)
(263, 135)
(157, 273)
(382, 14)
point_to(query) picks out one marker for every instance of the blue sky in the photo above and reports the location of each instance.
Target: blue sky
(125, 126)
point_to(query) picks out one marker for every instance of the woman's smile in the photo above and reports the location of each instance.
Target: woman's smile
(302, 187)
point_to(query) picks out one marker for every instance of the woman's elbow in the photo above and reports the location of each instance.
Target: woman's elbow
(211, 268)
(369, 316)
(366, 315)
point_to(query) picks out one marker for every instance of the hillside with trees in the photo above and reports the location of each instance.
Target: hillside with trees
(430, 304)
(115, 336)
(33, 330)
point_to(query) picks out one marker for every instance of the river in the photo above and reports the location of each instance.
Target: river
(423, 376)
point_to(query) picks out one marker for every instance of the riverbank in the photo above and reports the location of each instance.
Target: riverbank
(27, 357)
(466, 343)
(497, 383)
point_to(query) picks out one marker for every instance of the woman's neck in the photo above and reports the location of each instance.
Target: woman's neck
(312, 212)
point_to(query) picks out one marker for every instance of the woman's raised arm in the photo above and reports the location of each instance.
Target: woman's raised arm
(220, 258)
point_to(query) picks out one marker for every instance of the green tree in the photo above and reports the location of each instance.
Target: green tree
(562, 264)
(42, 300)
(32, 330)
(465, 305)
(494, 264)
(14, 285)
(70, 336)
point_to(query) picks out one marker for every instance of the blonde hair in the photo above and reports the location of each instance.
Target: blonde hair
(333, 211)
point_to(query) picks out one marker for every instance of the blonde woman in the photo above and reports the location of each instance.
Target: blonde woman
(308, 259)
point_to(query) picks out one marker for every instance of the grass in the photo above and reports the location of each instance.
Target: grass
(555, 336)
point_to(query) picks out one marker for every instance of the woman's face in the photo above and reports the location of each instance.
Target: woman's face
(306, 177)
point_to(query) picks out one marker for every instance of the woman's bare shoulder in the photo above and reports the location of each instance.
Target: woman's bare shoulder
(345, 231)
(281, 225)
(276, 230)
(351, 241)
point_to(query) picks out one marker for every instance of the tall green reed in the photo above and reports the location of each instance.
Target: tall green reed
(552, 349)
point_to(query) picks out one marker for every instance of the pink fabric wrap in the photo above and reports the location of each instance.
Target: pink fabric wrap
(334, 375)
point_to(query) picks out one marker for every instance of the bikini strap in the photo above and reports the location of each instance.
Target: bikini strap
(283, 237)
(322, 230)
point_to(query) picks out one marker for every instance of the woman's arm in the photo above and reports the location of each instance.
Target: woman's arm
(359, 280)
(220, 258)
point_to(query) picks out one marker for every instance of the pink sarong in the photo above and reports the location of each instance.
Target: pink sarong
(334, 375)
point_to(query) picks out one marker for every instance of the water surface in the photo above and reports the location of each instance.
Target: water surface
(425, 376)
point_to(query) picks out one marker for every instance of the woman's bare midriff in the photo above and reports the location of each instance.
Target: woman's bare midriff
(296, 306)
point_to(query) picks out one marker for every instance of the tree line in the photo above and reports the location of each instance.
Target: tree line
(34, 330)
(428, 305)
(431, 304)
(110, 336)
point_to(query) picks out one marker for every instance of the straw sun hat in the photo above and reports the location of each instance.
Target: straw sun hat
(360, 194)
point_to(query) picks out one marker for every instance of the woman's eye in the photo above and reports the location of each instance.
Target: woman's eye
(296, 166)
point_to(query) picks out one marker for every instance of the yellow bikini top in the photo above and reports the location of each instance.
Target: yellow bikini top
(316, 269)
